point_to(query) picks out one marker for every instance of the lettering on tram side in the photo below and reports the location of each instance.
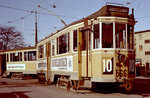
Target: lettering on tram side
(107, 65)
(15, 66)
(42, 65)
(62, 63)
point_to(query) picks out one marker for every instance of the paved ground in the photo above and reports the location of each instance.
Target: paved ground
(11, 88)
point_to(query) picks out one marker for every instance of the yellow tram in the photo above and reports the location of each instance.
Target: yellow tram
(95, 49)
(21, 63)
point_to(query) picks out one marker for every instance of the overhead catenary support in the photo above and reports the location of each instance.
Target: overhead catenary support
(36, 40)
(22, 26)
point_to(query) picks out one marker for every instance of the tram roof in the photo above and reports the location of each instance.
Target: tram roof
(24, 48)
(123, 12)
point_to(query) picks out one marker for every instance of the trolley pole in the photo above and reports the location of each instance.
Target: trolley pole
(54, 15)
(36, 40)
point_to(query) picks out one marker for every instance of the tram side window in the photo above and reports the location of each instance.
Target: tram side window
(30, 56)
(53, 49)
(14, 57)
(11, 57)
(107, 35)
(130, 37)
(63, 44)
(25, 56)
(7, 58)
(96, 38)
(120, 35)
(41, 51)
(75, 40)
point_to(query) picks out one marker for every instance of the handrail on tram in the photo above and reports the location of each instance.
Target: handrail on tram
(110, 3)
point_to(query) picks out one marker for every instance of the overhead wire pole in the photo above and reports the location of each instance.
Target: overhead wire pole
(36, 40)
(36, 36)
(22, 27)
(54, 15)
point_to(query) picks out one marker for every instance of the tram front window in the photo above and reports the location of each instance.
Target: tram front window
(96, 38)
(107, 35)
(75, 40)
(130, 37)
(120, 35)
(41, 51)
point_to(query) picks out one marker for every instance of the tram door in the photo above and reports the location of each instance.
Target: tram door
(2, 63)
(84, 47)
(48, 54)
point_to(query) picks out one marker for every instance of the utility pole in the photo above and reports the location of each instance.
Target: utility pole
(22, 26)
(36, 40)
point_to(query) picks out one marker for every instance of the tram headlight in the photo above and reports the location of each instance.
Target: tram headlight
(121, 58)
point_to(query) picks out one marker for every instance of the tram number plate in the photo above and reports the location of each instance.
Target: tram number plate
(107, 66)
(121, 73)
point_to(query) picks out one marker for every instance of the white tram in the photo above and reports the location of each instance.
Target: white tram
(96, 49)
(21, 63)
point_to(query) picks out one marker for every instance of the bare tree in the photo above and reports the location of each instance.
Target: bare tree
(10, 38)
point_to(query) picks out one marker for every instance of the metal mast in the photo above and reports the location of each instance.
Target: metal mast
(36, 40)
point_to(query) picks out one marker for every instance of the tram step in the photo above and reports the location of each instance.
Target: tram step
(4, 75)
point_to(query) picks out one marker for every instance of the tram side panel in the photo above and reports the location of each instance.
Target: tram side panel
(21, 63)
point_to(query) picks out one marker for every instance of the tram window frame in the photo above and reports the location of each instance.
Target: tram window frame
(75, 40)
(25, 56)
(107, 42)
(11, 58)
(7, 57)
(130, 36)
(61, 41)
(53, 47)
(96, 36)
(41, 51)
(30, 56)
(16, 57)
(120, 35)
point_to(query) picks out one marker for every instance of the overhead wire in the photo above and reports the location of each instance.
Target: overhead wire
(17, 19)
(14, 8)
(31, 11)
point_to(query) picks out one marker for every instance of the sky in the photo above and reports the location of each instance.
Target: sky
(18, 13)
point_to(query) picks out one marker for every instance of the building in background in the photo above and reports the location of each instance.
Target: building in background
(142, 49)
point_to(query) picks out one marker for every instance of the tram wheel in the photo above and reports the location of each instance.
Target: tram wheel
(128, 86)
(68, 85)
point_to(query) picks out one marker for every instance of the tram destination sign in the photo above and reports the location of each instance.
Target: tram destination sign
(15, 66)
